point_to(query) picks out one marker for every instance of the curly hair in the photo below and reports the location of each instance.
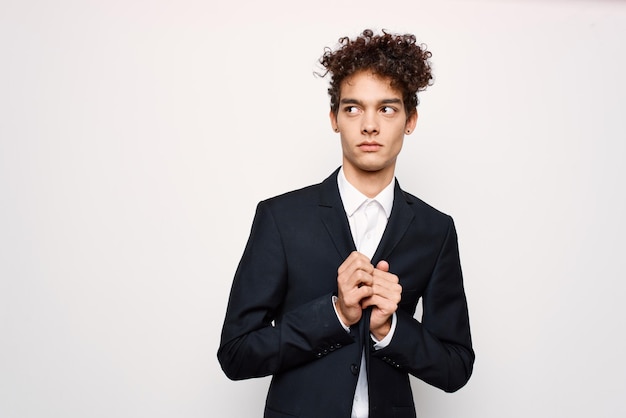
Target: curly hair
(397, 57)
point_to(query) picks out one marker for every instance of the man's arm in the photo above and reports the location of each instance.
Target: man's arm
(257, 338)
(437, 350)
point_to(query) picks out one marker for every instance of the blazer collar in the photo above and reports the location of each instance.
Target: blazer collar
(334, 218)
(401, 217)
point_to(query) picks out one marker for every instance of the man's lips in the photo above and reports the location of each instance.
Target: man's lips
(369, 146)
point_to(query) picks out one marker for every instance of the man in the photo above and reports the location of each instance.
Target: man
(325, 293)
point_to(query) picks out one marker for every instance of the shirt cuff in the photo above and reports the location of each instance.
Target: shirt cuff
(347, 328)
(385, 341)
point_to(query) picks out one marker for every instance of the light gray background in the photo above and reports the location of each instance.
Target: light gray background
(136, 138)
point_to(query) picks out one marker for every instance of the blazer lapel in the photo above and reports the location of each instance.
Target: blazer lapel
(334, 217)
(399, 221)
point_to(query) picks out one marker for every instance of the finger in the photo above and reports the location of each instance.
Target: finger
(354, 278)
(385, 306)
(362, 278)
(380, 275)
(347, 262)
(389, 291)
(355, 261)
(382, 265)
(354, 297)
(357, 271)
(359, 278)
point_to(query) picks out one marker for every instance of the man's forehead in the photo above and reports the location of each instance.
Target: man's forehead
(367, 74)
(366, 79)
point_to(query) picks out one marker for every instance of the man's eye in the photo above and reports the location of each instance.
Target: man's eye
(388, 110)
(352, 109)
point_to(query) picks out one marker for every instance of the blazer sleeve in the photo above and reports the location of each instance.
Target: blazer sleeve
(258, 338)
(437, 350)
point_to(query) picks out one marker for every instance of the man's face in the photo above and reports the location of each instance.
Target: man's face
(372, 121)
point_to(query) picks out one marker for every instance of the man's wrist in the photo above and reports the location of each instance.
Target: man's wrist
(386, 340)
(341, 320)
(379, 333)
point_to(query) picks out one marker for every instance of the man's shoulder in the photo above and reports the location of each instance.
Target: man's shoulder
(317, 193)
(295, 196)
(423, 209)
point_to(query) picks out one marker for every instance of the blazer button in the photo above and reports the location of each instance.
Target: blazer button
(354, 369)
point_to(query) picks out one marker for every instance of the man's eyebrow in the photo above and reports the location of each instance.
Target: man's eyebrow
(384, 101)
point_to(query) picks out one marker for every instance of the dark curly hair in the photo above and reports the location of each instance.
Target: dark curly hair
(397, 57)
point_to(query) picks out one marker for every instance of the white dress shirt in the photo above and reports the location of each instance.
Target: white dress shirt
(355, 204)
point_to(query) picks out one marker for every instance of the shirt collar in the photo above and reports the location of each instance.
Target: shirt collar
(353, 199)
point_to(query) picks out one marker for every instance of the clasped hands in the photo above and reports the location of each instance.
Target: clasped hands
(361, 285)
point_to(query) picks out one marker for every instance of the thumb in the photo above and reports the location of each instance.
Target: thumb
(383, 265)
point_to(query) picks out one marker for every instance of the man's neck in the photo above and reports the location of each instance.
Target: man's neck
(370, 183)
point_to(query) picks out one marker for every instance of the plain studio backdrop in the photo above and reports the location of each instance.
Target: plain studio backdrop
(136, 138)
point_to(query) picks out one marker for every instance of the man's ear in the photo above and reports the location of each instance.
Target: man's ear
(411, 122)
(333, 120)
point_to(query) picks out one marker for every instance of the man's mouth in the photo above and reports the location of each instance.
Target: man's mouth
(369, 146)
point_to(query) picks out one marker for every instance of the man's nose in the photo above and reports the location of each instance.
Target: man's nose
(370, 124)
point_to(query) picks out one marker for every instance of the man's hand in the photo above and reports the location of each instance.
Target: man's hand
(360, 285)
(384, 299)
(354, 283)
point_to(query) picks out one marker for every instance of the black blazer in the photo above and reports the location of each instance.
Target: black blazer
(280, 319)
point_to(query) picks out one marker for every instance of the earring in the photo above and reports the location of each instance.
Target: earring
(336, 129)
(408, 131)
